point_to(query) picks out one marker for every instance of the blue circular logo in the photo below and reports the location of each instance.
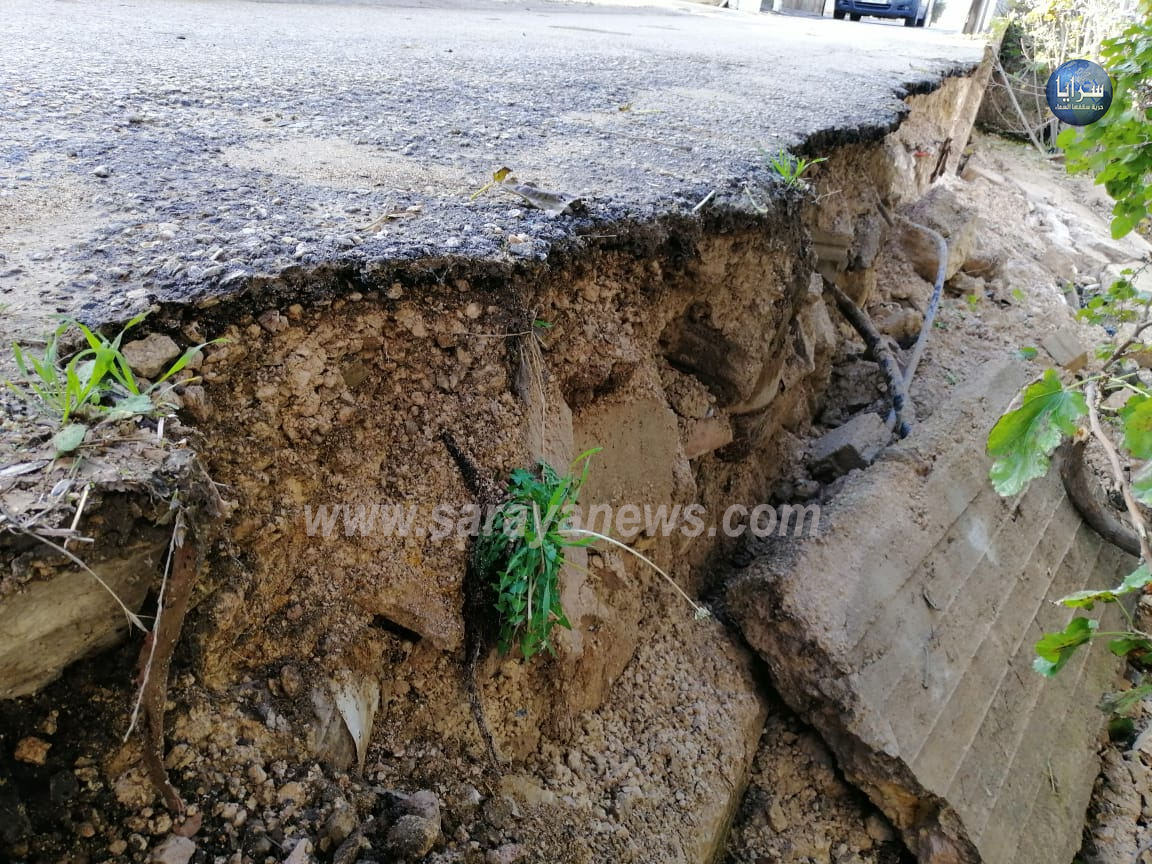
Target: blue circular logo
(1079, 92)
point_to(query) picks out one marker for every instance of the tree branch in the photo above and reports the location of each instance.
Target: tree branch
(1117, 471)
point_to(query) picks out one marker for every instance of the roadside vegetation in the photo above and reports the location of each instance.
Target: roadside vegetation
(1041, 35)
(522, 553)
(92, 385)
(1108, 405)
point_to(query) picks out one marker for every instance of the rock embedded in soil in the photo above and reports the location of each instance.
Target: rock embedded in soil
(509, 853)
(341, 823)
(151, 356)
(412, 837)
(424, 804)
(174, 850)
(32, 750)
(851, 446)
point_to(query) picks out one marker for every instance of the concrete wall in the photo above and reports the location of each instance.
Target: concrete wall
(905, 633)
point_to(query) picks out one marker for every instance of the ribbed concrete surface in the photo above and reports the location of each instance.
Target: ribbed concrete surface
(906, 632)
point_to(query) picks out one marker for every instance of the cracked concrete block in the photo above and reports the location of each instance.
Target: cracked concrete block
(853, 445)
(905, 634)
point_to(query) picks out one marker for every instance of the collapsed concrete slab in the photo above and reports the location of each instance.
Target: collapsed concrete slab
(905, 634)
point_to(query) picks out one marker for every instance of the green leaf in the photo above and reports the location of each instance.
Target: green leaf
(1142, 484)
(1088, 599)
(1134, 581)
(1066, 138)
(1122, 703)
(1136, 421)
(69, 438)
(132, 406)
(1027, 352)
(1121, 226)
(1129, 644)
(1054, 650)
(1023, 440)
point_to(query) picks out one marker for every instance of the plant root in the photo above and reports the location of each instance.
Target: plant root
(478, 612)
(156, 659)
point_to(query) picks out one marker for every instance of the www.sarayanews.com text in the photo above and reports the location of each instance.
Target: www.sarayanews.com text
(625, 521)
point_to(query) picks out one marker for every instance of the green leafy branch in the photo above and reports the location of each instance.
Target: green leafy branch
(1051, 411)
(1118, 147)
(1054, 650)
(524, 549)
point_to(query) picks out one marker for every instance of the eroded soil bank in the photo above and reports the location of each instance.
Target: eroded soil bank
(318, 701)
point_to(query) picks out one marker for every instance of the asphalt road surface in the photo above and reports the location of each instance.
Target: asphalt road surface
(155, 150)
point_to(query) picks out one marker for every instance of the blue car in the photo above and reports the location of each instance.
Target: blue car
(914, 12)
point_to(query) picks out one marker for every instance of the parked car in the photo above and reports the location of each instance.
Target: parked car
(915, 13)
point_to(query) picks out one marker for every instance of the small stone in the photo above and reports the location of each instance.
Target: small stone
(50, 723)
(777, 818)
(509, 853)
(273, 321)
(86, 829)
(395, 292)
(964, 284)
(32, 750)
(290, 680)
(473, 310)
(102, 171)
(424, 804)
(341, 824)
(257, 774)
(151, 356)
(118, 847)
(499, 811)
(291, 791)
(411, 837)
(856, 444)
(174, 850)
(878, 828)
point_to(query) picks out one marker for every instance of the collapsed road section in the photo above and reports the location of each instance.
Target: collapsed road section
(295, 188)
